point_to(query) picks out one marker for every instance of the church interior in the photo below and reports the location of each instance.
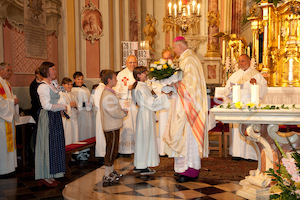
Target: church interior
(94, 35)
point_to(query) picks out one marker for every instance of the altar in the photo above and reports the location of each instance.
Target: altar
(262, 128)
(275, 95)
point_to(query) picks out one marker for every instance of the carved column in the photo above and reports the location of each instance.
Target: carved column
(213, 16)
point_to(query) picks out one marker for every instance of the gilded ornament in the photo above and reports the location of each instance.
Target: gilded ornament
(213, 18)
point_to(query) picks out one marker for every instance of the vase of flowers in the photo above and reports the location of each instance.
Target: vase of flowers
(286, 177)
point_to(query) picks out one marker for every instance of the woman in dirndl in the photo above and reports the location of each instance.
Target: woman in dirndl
(50, 142)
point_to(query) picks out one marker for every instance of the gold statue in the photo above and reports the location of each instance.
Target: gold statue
(149, 30)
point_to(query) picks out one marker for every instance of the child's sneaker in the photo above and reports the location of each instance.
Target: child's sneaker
(116, 174)
(147, 171)
(112, 178)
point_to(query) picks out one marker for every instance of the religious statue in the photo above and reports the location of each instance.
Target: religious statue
(149, 30)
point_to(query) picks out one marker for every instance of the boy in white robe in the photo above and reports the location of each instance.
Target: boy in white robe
(85, 115)
(71, 123)
(146, 150)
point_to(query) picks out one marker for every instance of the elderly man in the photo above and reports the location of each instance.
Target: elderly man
(8, 113)
(245, 76)
(186, 132)
(123, 90)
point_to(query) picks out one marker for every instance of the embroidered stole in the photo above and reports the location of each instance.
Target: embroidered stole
(8, 126)
(197, 121)
(247, 76)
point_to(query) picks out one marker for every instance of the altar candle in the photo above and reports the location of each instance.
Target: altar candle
(255, 94)
(170, 8)
(189, 10)
(175, 10)
(231, 56)
(194, 7)
(248, 51)
(198, 7)
(179, 6)
(236, 93)
(223, 51)
(278, 41)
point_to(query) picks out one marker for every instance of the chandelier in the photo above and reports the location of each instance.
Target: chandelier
(184, 14)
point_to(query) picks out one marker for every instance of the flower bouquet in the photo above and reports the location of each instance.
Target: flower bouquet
(286, 177)
(165, 72)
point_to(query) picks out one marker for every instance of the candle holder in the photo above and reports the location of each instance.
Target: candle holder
(184, 15)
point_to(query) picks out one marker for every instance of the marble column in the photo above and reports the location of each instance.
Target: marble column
(213, 19)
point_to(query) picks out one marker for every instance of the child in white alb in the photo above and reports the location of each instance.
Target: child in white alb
(146, 150)
(70, 121)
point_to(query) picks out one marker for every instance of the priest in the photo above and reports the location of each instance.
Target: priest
(9, 111)
(245, 76)
(123, 91)
(186, 133)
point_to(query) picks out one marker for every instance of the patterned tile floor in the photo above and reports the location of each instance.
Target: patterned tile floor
(86, 183)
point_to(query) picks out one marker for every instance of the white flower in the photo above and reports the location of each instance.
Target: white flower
(170, 62)
(173, 66)
(154, 66)
(162, 61)
(151, 65)
(159, 67)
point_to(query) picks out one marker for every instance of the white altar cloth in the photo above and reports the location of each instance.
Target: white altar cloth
(275, 95)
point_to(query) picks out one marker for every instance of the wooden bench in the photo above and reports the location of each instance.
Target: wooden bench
(72, 148)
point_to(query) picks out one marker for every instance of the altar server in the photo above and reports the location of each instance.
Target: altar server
(71, 122)
(9, 112)
(146, 151)
(83, 95)
(245, 76)
(123, 90)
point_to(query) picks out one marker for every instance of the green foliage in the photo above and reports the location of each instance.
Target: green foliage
(162, 74)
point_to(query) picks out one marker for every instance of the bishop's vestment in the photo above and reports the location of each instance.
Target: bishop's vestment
(186, 132)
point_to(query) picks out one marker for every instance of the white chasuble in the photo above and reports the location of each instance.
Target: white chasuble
(8, 113)
(179, 137)
(127, 133)
(239, 146)
(146, 151)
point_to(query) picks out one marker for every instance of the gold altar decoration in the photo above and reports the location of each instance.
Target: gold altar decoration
(232, 48)
(150, 31)
(281, 41)
(185, 15)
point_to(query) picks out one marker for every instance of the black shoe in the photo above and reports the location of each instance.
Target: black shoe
(237, 158)
(147, 171)
(183, 179)
(176, 174)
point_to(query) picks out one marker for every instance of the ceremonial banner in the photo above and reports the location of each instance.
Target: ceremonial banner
(35, 29)
(129, 48)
